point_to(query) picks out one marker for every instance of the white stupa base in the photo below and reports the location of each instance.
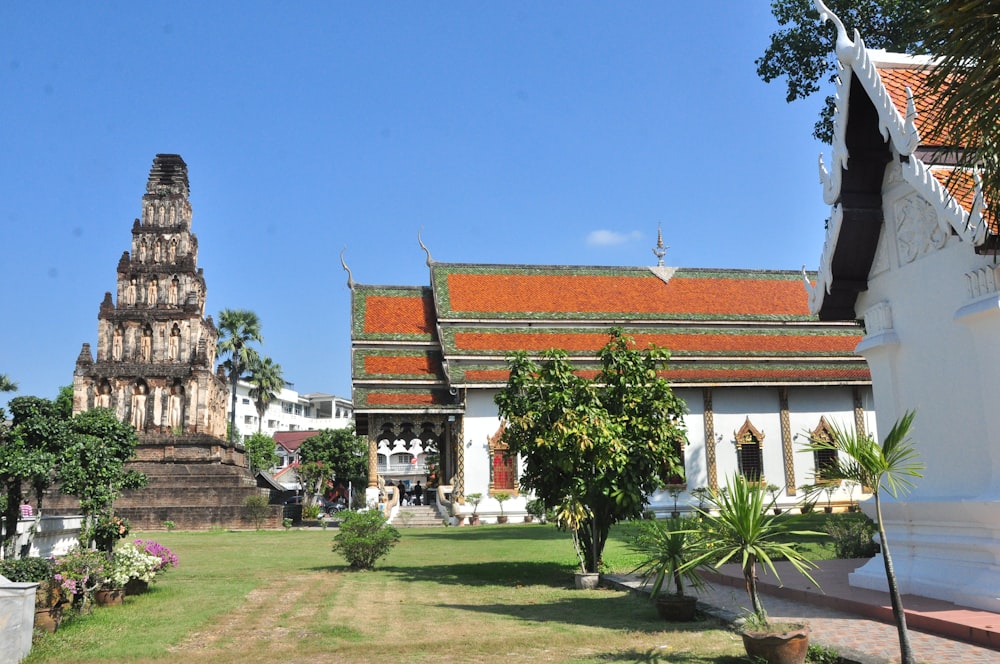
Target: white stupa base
(950, 553)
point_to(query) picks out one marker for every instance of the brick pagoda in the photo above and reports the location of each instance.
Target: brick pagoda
(155, 369)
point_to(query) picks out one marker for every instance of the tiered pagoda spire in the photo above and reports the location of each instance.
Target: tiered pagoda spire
(155, 347)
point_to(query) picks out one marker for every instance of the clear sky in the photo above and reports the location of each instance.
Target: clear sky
(511, 132)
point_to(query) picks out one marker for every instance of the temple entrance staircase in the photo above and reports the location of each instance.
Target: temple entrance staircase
(417, 516)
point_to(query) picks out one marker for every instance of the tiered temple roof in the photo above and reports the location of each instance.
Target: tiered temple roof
(417, 349)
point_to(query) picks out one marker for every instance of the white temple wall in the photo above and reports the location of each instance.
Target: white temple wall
(932, 348)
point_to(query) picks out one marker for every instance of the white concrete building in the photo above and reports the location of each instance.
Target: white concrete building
(290, 411)
(908, 250)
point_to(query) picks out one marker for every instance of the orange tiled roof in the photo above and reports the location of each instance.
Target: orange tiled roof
(393, 313)
(709, 342)
(406, 315)
(482, 291)
(736, 374)
(401, 365)
(896, 80)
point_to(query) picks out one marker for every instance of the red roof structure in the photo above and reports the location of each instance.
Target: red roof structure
(415, 349)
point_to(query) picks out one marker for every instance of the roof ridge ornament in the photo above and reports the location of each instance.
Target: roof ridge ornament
(660, 250)
(846, 49)
(343, 264)
(430, 261)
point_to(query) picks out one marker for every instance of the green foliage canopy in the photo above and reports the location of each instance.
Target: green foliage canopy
(802, 51)
(93, 465)
(605, 443)
(29, 452)
(261, 452)
(342, 454)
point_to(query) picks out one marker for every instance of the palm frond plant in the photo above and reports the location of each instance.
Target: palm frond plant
(666, 548)
(888, 467)
(738, 526)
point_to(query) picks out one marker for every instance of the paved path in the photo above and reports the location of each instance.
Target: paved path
(857, 622)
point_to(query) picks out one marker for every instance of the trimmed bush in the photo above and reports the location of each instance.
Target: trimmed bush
(364, 537)
(852, 535)
(26, 569)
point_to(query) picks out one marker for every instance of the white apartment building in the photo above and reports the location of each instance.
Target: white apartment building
(290, 411)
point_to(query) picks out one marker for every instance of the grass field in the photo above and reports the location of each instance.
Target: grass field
(484, 594)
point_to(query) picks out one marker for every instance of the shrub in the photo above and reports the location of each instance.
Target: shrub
(311, 512)
(256, 509)
(364, 537)
(852, 535)
(26, 569)
(819, 655)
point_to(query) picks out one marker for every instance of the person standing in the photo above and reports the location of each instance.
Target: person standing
(418, 494)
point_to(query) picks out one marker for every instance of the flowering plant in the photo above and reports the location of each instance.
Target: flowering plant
(166, 556)
(79, 572)
(127, 563)
(108, 529)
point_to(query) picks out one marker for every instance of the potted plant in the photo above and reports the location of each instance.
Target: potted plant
(675, 491)
(829, 489)
(740, 528)
(808, 502)
(773, 489)
(535, 509)
(569, 516)
(666, 548)
(501, 498)
(475, 499)
(851, 486)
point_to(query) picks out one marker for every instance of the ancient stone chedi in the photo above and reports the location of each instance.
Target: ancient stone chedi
(155, 364)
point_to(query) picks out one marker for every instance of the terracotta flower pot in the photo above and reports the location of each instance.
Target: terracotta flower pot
(779, 647)
(502, 519)
(674, 608)
(109, 597)
(48, 619)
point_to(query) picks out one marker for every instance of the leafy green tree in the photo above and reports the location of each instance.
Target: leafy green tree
(342, 456)
(266, 380)
(966, 86)
(605, 444)
(238, 328)
(803, 50)
(6, 384)
(261, 452)
(64, 401)
(93, 465)
(888, 468)
(28, 454)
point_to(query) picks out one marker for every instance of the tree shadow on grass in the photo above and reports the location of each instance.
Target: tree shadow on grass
(489, 573)
(656, 656)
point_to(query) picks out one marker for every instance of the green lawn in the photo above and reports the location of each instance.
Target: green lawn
(483, 594)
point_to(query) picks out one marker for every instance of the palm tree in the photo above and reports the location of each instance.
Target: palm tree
(6, 384)
(238, 328)
(965, 86)
(888, 468)
(267, 381)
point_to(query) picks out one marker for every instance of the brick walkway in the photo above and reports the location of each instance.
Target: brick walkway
(857, 622)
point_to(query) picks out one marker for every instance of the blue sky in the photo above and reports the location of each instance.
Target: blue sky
(511, 132)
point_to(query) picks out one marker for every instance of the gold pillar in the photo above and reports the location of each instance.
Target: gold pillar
(372, 461)
(709, 418)
(859, 412)
(787, 451)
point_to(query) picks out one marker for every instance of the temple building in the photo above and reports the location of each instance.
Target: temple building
(155, 368)
(756, 370)
(911, 251)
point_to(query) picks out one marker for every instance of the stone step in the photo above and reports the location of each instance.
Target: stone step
(417, 516)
